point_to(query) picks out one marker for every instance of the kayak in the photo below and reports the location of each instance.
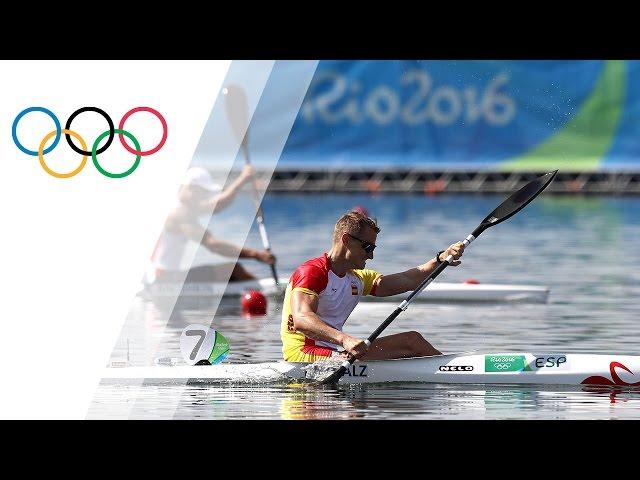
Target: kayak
(472, 292)
(209, 289)
(456, 368)
(435, 292)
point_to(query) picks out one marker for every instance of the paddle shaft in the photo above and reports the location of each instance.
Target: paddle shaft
(508, 208)
(260, 214)
(403, 306)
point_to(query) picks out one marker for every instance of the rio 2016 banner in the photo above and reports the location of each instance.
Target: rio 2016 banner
(499, 115)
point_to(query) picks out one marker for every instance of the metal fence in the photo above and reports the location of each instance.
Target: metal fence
(433, 182)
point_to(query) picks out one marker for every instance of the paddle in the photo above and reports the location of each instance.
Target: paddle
(238, 115)
(512, 205)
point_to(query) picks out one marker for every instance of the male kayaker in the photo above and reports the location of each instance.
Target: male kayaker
(200, 196)
(323, 291)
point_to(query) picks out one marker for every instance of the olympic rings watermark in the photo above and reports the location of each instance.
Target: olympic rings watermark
(95, 151)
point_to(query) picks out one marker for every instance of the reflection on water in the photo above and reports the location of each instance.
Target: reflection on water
(397, 401)
(580, 248)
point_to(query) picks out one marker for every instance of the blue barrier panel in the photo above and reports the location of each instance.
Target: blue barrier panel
(498, 115)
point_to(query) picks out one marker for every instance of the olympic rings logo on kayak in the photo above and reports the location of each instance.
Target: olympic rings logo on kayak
(502, 366)
(95, 151)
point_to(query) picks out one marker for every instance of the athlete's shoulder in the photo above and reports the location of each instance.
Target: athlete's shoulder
(369, 278)
(320, 262)
(365, 272)
(312, 274)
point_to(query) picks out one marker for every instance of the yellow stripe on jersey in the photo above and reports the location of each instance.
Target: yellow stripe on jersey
(292, 340)
(368, 278)
(305, 290)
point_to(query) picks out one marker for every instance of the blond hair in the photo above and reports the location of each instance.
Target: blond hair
(353, 223)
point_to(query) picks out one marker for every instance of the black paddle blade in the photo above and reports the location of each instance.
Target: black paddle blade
(334, 377)
(324, 372)
(516, 202)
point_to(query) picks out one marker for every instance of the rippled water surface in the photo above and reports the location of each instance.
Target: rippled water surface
(583, 249)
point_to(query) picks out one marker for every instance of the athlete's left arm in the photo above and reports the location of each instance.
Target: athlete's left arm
(410, 279)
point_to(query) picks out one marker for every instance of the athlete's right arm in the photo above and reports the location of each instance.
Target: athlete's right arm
(227, 249)
(307, 321)
(224, 199)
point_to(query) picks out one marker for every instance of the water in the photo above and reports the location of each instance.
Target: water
(582, 248)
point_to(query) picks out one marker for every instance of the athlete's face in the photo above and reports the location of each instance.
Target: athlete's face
(361, 247)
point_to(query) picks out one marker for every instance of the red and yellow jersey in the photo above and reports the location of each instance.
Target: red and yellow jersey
(337, 297)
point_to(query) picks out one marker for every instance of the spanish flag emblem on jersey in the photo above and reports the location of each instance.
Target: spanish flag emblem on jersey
(354, 289)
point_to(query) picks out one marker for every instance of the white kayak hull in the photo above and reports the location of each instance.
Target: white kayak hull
(208, 289)
(461, 368)
(435, 292)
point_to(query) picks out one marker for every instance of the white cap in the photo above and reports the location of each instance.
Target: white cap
(200, 177)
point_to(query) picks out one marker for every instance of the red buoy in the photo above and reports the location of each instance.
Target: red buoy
(254, 303)
(360, 209)
(471, 281)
